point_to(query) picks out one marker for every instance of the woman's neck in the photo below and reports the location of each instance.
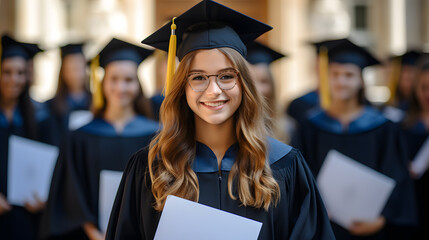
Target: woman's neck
(345, 111)
(8, 107)
(217, 137)
(119, 117)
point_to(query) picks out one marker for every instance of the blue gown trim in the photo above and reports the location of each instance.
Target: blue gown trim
(139, 126)
(311, 97)
(17, 120)
(206, 161)
(368, 120)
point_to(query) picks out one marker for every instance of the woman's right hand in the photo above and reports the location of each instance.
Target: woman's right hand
(4, 205)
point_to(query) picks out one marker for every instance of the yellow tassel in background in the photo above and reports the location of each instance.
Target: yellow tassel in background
(97, 94)
(394, 79)
(324, 92)
(171, 62)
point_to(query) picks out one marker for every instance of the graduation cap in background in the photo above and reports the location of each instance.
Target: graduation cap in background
(73, 48)
(12, 48)
(207, 25)
(340, 51)
(328, 44)
(115, 50)
(260, 53)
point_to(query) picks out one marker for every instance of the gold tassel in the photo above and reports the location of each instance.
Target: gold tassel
(171, 62)
(97, 92)
(394, 79)
(324, 92)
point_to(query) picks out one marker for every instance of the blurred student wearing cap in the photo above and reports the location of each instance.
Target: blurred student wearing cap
(299, 107)
(415, 130)
(260, 58)
(213, 147)
(17, 117)
(72, 92)
(346, 124)
(120, 127)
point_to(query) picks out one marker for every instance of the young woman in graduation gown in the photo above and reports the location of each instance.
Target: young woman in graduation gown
(213, 147)
(357, 130)
(120, 127)
(72, 91)
(17, 117)
(415, 130)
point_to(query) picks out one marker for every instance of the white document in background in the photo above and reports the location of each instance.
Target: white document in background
(352, 191)
(30, 168)
(420, 163)
(186, 220)
(79, 118)
(109, 183)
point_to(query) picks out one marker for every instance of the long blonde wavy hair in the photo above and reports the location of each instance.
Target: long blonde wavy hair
(172, 151)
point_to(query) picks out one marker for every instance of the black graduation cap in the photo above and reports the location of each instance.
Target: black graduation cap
(209, 25)
(12, 48)
(326, 43)
(117, 50)
(72, 48)
(260, 53)
(410, 57)
(348, 52)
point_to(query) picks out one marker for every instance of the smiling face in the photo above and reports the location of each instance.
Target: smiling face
(13, 77)
(214, 105)
(345, 81)
(120, 84)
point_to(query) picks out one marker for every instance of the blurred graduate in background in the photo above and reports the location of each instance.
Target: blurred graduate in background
(415, 130)
(17, 117)
(260, 57)
(72, 92)
(121, 126)
(344, 122)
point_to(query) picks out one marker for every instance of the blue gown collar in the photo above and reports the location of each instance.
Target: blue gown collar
(139, 126)
(17, 120)
(206, 161)
(78, 104)
(368, 120)
(419, 127)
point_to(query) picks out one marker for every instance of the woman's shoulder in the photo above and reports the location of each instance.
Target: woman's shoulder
(138, 162)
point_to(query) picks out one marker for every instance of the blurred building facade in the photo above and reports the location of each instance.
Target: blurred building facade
(387, 27)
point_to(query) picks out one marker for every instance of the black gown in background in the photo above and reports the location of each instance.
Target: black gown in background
(300, 214)
(19, 223)
(373, 141)
(414, 137)
(74, 194)
(299, 107)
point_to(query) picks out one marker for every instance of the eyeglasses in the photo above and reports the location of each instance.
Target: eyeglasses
(226, 80)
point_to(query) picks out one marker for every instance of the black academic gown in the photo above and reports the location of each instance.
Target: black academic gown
(300, 106)
(18, 223)
(60, 122)
(74, 193)
(414, 137)
(300, 214)
(373, 141)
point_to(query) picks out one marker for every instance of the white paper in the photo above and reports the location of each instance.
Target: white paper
(30, 168)
(79, 118)
(109, 183)
(420, 163)
(186, 220)
(352, 191)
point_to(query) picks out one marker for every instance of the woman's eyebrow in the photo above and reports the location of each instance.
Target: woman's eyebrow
(221, 70)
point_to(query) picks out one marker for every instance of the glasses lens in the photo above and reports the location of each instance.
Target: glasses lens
(198, 81)
(227, 80)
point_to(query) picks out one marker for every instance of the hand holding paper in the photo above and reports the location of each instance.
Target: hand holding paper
(352, 191)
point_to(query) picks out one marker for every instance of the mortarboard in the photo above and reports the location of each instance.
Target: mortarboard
(118, 50)
(115, 50)
(328, 44)
(72, 48)
(206, 25)
(348, 52)
(12, 48)
(260, 53)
